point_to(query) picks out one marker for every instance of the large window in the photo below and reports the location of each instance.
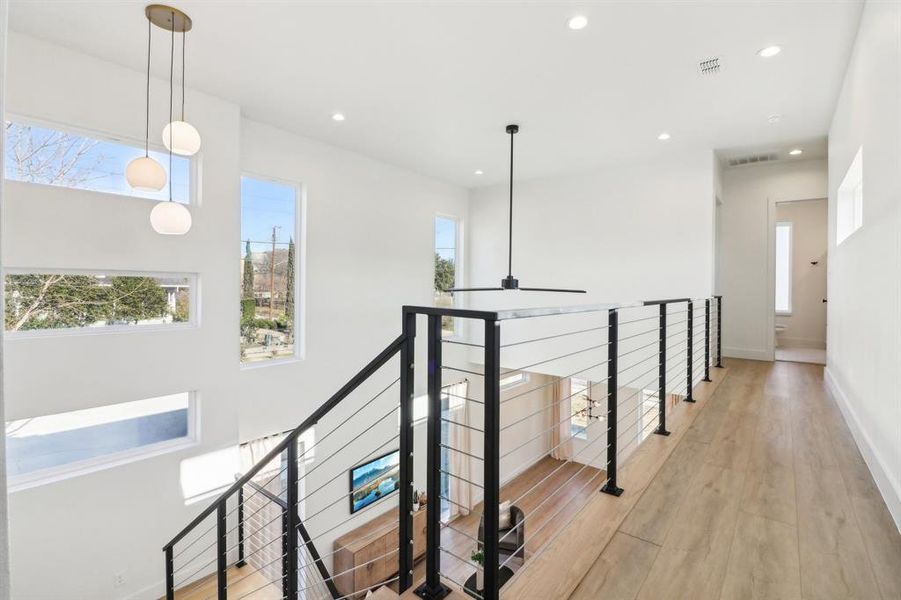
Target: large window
(269, 289)
(784, 267)
(849, 203)
(446, 267)
(47, 447)
(42, 155)
(77, 300)
(580, 403)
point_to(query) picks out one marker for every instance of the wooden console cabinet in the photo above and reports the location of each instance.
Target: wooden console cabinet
(366, 544)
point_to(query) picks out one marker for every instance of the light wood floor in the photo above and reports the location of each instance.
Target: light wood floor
(766, 496)
(243, 582)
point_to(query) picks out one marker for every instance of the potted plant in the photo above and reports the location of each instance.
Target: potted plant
(478, 557)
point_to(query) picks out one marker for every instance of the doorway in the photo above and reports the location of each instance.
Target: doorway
(799, 280)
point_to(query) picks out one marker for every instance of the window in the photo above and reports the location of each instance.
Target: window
(580, 403)
(650, 413)
(79, 300)
(446, 268)
(269, 226)
(69, 443)
(511, 381)
(41, 155)
(784, 268)
(849, 204)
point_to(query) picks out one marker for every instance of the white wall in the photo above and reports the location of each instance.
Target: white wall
(4, 525)
(805, 327)
(747, 216)
(89, 528)
(864, 310)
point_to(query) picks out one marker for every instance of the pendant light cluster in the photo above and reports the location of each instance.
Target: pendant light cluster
(179, 136)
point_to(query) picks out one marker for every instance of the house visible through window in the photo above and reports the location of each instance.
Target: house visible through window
(849, 201)
(580, 402)
(446, 236)
(783, 267)
(83, 438)
(268, 270)
(52, 301)
(42, 155)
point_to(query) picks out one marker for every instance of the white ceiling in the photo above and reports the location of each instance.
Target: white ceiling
(430, 85)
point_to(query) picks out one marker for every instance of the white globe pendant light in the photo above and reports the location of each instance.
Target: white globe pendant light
(170, 218)
(180, 136)
(145, 174)
(185, 140)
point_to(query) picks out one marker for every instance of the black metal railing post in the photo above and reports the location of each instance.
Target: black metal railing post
(433, 588)
(719, 331)
(690, 337)
(707, 339)
(661, 377)
(221, 552)
(286, 571)
(292, 520)
(610, 486)
(170, 574)
(241, 561)
(492, 457)
(407, 392)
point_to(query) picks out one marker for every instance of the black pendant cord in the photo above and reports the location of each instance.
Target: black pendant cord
(184, 36)
(510, 224)
(147, 95)
(171, 92)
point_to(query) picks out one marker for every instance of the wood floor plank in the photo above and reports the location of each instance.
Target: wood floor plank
(693, 560)
(620, 570)
(656, 510)
(763, 563)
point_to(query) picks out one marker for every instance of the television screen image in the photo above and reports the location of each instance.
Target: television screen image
(374, 480)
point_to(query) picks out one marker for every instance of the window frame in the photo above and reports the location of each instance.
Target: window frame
(458, 264)
(300, 275)
(194, 161)
(579, 433)
(193, 321)
(523, 378)
(115, 459)
(849, 210)
(791, 242)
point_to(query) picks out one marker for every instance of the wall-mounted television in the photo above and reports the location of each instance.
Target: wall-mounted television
(374, 480)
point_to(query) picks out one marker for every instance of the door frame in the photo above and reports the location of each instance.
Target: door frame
(772, 201)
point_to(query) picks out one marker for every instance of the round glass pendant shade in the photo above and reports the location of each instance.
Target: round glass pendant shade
(170, 218)
(185, 138)
(145, 174)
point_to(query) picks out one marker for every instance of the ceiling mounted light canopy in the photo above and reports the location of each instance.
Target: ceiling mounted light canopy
(509, 282)
(170, 217)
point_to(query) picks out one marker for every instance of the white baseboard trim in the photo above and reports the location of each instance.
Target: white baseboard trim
(746, 353)
(878, 467)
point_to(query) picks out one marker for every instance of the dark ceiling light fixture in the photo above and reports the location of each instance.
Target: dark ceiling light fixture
(509, 282)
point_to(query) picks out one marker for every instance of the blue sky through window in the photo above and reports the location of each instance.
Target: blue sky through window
(43, 155)
(446, 238)
(264, 205)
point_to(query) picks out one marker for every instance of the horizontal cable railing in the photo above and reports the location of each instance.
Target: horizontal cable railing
(536, 420)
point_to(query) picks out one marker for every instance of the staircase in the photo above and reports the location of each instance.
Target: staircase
(281, 530)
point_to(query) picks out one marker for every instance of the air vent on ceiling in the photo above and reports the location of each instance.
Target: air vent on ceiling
(753, 159)
(710, 66)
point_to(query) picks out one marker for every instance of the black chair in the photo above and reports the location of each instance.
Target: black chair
(510, 544)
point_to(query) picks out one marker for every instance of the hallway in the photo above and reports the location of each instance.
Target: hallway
(767, 497)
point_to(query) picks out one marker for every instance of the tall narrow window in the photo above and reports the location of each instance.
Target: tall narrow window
(446, 236)
(268, 270)
(784, 267)
(849, 201)
(580, 402)
(41, 155)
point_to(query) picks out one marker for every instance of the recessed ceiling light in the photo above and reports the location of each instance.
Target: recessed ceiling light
(774, 118)
(769, 51)
(337, 116)
(479, 172)
(577, 22)
(663, 136)
(796, 152)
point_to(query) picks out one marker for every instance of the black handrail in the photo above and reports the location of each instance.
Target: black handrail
(364, 374)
